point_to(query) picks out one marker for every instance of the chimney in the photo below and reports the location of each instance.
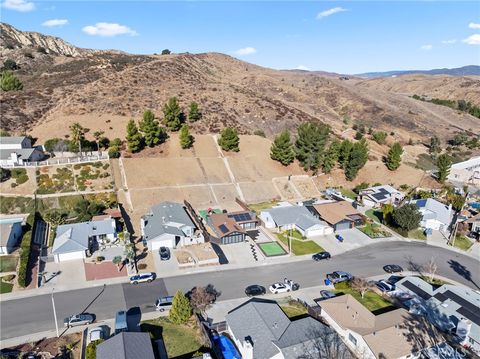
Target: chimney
(248, 348)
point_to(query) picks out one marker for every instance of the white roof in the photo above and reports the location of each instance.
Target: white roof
(472, 162)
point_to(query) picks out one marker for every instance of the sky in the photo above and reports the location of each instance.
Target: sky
(345, 37)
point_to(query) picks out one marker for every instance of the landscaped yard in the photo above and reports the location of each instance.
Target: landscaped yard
(300, 247)
(371, 300)
(92, 176)
(418, 233)
(257, 207)
(293, 309)
(5, 287)
(462, 243)
(180, 340)
(271, 249)
(374, 230)
(348, 193)
(374, 214)
(55, 179)
(8, 264)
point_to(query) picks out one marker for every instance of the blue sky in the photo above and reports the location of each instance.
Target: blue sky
(345, 37)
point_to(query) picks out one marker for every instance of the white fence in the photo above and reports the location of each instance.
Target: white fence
(58, 161)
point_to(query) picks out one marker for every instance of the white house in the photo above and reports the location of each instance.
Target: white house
(18, 151)
(378, 195)
(76, 241)
(467, 172)
(436, 215)
(288, 217)
(169, 225)
(10, 234)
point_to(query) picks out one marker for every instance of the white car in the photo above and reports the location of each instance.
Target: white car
(142, 278)
(279, 288)
(96, 333)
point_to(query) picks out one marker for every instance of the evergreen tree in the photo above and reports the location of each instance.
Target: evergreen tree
(173, 116)
(434, 147)
(151, 129)
(331, 156)
(181, 309)
(9, 82)
(282, 149)
(387, 210)
(407, 217)
(344, 154)
(186, 139)
(134, 138)
(357, 159)
(310, 144)
(394, 157)
(194, 113)
(229, 140)
(444, 162)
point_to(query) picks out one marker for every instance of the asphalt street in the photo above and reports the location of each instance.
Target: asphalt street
(35, 314)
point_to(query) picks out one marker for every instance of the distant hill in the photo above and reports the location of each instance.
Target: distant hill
(470, 70)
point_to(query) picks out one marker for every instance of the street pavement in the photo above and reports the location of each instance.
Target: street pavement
(35, 314)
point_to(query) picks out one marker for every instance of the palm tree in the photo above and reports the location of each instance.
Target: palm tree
(77, 135)
(97, 135)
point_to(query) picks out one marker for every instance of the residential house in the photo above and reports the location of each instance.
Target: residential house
(393, 334)
(18, 151)
(378, 195)
(168, 224)
(435, 215)
(340, 215)
(10, 235)
(226, 229)
(466, 172)
(126, 345)
(287, 217)
(474, 225)
(79, 240)
(245, 219)
(261, 330)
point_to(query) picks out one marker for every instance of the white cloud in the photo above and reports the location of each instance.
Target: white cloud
(472, 39)
(18, 5)
(473, 25)
(452, 41)
(329, 12)
(108, 29)
(246, 51)
(302, 67)
(426, 47)
(55, 22)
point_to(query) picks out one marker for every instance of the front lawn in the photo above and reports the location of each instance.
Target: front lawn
(5, 287)
(462, 243)
(293, 309)
(8, 264)
(418, 233)
(374, 214)
(371, 300)
(300, 247)
(374, 230)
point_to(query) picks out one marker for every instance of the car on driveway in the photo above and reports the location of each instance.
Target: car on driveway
(164, 253)
(339, 276)
(326, 294)
(255, 289)
(392, 268)
(96, 333)
(142, 278)
(78, 319)
(164, 303)
(384, 286)
(339, 237)
(321, 255)
(393, 279)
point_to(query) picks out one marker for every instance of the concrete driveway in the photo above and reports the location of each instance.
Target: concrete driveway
(165, 268)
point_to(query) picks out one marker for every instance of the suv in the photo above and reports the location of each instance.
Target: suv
(142, 277)
(163, 303)
(164, 253)
(339, 276)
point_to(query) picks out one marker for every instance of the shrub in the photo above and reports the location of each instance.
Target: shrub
(142, 266)
(25, 248)
(9, 82)
(380, 137)
(100, 258)
(91, 350)
(260, 133)
(114, 152)
(9, 277)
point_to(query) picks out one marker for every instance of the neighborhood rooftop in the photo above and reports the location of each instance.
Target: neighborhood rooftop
(11, 140)
(126, 345)
(335, 212)
(299, 215)
(434, 209)
(166, 217)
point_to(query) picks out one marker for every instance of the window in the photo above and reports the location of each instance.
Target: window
(352, 339)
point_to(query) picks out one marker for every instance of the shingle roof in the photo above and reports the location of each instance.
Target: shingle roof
(23, 153)
(298, 215)
(379, 193)
(5, 230)
(166, 217)
(223, 225)
(335, 212)
(126, 345)
(432, 209)
(11, 140)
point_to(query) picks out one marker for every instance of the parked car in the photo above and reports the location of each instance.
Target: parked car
(326, 294)
(392, 268)
(384, 286)
(321, 255)
(164, 303)
(255, 289)
(279, 288)
(78, 319)
(164, 253)
(339, 276)
(142, 278)
(121, 324)
(393, 279)
(339, 237)
(96, 333)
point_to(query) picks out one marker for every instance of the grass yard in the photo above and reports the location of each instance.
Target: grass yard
(374, 214)
(271, 249)
(180, 340)
(300, 247)
(8, 264)
(293, 309)
(257, 207)
(371, 300)
(5, 287)
(418, 233)
(463, 243)
(348, 193)
(374, 230)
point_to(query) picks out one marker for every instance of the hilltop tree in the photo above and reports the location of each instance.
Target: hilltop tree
(78, 135)
(181, 310)
(173, 116)
(434, 147)
(357, 159)
(194, 113)
(166, 52)
(229, 140)
(394, 157)
(134, 138)
(407, 217)
(344, 154)
(282, 149)
(9, 82)
(331, 156)
(186, 139)
(310, 144)
(151, 129)
(444, 162)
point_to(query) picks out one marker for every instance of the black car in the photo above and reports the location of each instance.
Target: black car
(164, 253)
(253, 290)
(321, 255)
(392, 268)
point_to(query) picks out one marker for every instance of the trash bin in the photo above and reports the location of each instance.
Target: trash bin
(328, 281)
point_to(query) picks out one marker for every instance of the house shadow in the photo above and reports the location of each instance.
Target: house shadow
(128, 221)
(222, 258)
(134, 317)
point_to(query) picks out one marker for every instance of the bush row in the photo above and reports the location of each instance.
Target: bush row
(25, 249)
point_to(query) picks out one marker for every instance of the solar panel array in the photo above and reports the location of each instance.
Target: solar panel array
(241, 217)
(469, 315)
(467, 309)
(418, 291)
(223, 228)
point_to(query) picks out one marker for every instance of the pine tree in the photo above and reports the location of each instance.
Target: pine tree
(282, 149)
(434, 147)
(173, 114)
(151, 129)
(444, 162)
(344, 154)
(181, 309)
(357, 159)
(194, 114)
(134, 138)
(331, 156)
(186, 139)
(229, 140)
(394, 157)
(310, 144)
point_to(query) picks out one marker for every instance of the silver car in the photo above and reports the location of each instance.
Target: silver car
(78, 319)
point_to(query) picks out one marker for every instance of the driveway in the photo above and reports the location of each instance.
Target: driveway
(352, 239)
(67, 272)
(165, 268)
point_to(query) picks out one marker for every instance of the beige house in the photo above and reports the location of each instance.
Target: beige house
(467, 172)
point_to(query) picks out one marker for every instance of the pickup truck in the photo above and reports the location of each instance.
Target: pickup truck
(339, 276)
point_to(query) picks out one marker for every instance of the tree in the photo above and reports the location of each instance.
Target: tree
(186, 139)
(151, 129)
(229, 140)
(380, 137)
(91, 350)
(194, 113)
(407, 217)
(5, 174)
(457, 201)
(357, 159)
(134, 138)
(331, 156)
(394, 156)
(387, 211)
(434, 147)
(282, 149)
(431, 268)
(10, 65)
(78, 134)
(361, 285)
(444, 162)
(166, 52)
(201, 299)
(181, 309)
(324, 343)
(117, 260)
(311, 140)
(344, 154)
(9, 82)
(172, 113)
(54, 217)
(97, 135)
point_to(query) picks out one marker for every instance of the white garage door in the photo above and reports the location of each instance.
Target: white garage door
(315, 232)
(69, 256)
(155, 246)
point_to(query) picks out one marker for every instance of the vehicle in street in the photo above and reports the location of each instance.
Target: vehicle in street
(326, 294)
(164, 303)
(164, 253)
(142, 278)
(384, 286)
(339, 237)
(96, 333)
(276, 288)
(78, 319)
(321, 255)
(255, 289)
(339, 276)
(392, 268)
(121, 324)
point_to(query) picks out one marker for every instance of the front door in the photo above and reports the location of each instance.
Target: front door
(177, 241)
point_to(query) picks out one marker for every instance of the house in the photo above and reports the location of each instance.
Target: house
(10, 234)
(126, 345)
(78, 240)
(168, 224)
(393, 334)
(378, 195)
(245, 219)
(261, 330)
(18, 151)
(474, 225)
(287, 217)
(451, 308)
(435, 215)
(226, 229)
(466, 172)
(340, 215)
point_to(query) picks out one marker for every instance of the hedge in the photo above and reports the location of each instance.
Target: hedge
(25, 249)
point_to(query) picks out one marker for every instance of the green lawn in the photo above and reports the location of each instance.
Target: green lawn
(8, 264)
(371, 300)
(257, 207)
(348, 193)
(5, 287)
(301, 247)
(374, 230)
(180, 340)
(463, 243)
(271, 249)
(374, 214)
(418, 233)
(293, 309)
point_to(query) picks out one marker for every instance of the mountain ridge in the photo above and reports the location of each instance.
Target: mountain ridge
(468, 70)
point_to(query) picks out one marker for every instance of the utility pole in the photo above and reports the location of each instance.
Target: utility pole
(55, 313)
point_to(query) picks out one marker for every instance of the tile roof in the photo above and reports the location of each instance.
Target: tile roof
(126, 345)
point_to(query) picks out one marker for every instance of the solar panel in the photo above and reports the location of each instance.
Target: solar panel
(469, 315)
(418, 291)
(421, 203)
(441, 297)
(223, 228)
(379, 196)
(240, 217)
(464, 303)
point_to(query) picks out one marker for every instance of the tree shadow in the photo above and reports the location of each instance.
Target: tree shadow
(413, 266)
(462, 271)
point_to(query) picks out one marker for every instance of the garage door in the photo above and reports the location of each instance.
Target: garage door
(315, 232)
(342, 226)
(163, 243)
(69, 256)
